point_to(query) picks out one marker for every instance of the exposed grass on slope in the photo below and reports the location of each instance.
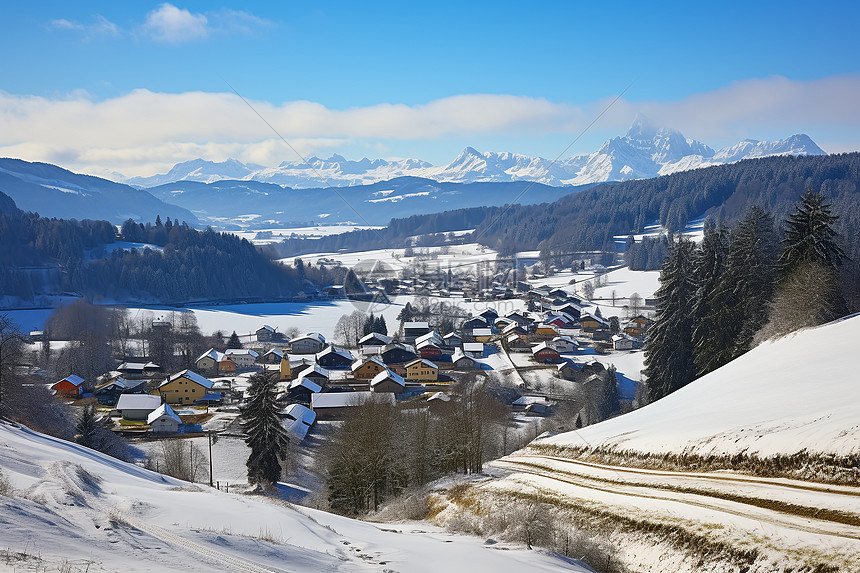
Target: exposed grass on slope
(823, 468)
(771, 504)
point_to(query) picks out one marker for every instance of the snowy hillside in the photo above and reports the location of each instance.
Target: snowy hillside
(797, 393)
(73, 509)
(645, 151)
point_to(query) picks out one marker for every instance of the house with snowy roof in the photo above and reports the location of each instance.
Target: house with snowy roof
(242, 357)
(71, 386)
(184, 387)
(387, 381)
(163, 420)
(310, 343)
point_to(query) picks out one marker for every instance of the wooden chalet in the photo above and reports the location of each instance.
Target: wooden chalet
(367, 368)
(72, 386)
(421, 370)
(387, 381)
(546, 354)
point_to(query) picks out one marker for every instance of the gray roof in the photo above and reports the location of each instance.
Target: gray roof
(138, 402)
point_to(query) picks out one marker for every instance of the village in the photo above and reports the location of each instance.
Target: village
(553, 358)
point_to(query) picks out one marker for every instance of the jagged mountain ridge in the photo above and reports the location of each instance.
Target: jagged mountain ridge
(645, 151)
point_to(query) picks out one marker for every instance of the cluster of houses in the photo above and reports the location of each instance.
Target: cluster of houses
(320, 379)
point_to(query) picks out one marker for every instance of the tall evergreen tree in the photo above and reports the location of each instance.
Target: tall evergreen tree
(808, 292)
(234, 341)
(669, 346)
(810, 236)
(710, 265)
(266, 436)
(87, 427)
(740, 301)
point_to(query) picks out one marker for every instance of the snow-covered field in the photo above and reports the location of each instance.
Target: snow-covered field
(273, 235)
(785, 396)
(454, 256)
(72, 509)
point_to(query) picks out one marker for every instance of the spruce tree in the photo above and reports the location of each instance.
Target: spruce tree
(739, 304)
(266, 436)
(87, 427)
(234, 341)
(669, 346)
(809, 235)
(710, 265)
(808, 291)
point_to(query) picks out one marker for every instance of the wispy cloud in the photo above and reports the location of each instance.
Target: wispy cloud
(142, 131)
(173, 25)
(169, 24)
(99, 27)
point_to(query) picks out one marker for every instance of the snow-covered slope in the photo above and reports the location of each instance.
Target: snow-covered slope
(73, 509)
(797, 393)
(645, 151)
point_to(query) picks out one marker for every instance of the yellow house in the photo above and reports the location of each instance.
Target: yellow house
(184, 388)
(421, 370)
(546, 331)
(286, 371)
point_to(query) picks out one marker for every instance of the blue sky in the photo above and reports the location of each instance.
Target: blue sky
(137, 86)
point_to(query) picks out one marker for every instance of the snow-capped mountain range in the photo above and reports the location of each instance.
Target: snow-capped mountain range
(645, 151)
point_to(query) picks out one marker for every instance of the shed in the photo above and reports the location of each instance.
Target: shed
(163, 420)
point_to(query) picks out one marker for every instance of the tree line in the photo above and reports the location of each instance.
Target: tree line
(742, 285)
(183, 265)
(382, 449)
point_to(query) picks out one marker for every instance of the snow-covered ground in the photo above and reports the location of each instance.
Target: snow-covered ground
(785, 396)
(72, 509)
(796, 395)
(274, 235)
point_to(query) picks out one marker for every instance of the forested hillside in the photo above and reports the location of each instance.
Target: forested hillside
(48, 256)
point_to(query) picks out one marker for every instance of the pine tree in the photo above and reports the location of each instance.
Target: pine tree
(740, 302)
(87, 427)
(669, 346)
(809, 235)
(808, 291)
(710, 265)
(266, 436)
(234, 341)
(369, 325)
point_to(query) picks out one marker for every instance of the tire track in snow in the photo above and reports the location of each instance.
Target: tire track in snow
(750, 480)
(771, 517)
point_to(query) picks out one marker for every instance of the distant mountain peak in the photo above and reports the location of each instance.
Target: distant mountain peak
(642, 128)
(647, 150)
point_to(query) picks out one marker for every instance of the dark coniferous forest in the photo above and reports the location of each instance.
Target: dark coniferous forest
(40, 255)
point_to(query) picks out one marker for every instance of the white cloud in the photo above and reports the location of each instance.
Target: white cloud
(138, 131)
(173, 25)
(100, 26)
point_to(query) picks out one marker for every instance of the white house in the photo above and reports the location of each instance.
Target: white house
(243, 357)
(163, 420)
(310, 343)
